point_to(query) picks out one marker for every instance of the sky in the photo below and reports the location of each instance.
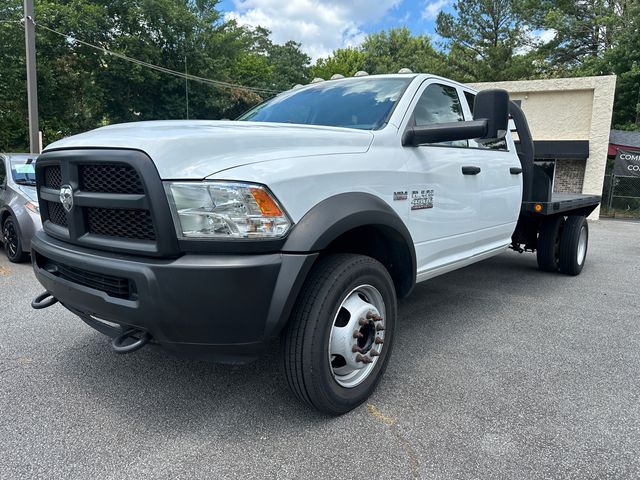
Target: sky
(321, 26)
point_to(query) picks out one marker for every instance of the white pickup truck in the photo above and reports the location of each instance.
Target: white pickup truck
(307, 218)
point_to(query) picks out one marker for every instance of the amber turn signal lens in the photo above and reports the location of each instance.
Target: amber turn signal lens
(267, 206)
(538, 207)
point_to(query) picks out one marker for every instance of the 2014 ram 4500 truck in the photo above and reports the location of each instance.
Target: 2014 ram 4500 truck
(306, 218)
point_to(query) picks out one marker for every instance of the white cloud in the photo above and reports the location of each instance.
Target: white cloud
(320, 25)
(432, 9)
(545, 36)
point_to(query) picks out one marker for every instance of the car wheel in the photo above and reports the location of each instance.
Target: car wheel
(12, 242)
(339, 338)
(549, 236)
(573, 245)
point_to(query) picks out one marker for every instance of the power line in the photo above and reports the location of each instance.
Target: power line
(208, 81)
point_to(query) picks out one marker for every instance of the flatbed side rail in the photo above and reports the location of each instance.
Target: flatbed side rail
(568, 204)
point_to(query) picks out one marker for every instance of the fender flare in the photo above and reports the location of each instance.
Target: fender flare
(341, 213)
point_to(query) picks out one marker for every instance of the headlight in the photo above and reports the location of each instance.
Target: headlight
(225, 210)
(32, 207)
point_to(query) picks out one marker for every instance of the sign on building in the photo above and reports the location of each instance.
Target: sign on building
(627, 164)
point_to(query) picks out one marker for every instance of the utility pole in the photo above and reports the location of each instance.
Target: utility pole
(32, 77)
(186, 85)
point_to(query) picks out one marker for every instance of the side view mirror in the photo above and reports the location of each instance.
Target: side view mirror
(490, 123)
(492, 106)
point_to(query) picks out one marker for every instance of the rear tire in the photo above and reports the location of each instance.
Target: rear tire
(549, 236)
(319, 364)
(573, 245)
(12, 241)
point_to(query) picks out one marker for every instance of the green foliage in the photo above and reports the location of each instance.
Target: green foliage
(594, 37)
(487, 40)
(81, 88)
(344, 61)
(388, 52)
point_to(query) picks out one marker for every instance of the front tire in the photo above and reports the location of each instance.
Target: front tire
(340, 335)
(573, 245)
(12, 241)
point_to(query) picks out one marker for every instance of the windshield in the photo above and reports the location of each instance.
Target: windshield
(23, 171)
(362, 103)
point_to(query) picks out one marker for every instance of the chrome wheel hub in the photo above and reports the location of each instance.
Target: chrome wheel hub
(582, 245)
(357, 336)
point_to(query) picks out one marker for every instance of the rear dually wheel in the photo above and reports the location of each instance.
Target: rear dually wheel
(573, 245)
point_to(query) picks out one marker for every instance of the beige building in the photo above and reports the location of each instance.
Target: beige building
(570, 121)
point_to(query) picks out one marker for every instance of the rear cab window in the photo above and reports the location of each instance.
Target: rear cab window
(500, 145)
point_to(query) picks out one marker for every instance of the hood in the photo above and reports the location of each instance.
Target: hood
(185, 149)
(30, 193)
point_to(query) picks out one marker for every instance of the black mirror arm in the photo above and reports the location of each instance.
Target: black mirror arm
(444, 132)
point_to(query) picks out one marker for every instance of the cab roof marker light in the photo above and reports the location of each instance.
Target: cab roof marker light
(405, 71)
(317, 80)
(337, 76)
(297, 87)
(361, 73)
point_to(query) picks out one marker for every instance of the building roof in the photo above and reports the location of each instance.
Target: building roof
(624, 138)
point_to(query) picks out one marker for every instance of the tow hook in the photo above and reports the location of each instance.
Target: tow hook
(44, 300)
(140, 337)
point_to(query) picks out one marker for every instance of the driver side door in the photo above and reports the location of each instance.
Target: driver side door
(445, 188)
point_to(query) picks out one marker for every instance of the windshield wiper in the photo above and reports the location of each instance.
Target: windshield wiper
(29, 183)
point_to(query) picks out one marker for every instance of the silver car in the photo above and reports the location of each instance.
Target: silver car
(19, 212)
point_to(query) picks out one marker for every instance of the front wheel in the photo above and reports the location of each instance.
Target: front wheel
(12, 242)
(339, 339)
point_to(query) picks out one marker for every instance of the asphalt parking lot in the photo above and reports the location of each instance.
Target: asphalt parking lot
(499, 371)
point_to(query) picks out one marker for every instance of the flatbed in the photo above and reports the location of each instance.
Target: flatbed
(562, 203)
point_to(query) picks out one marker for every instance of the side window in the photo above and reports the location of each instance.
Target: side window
(471, 100)
(439, 104)
(499, 145)
(3, 171)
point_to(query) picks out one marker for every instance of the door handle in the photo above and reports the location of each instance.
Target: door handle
(471, 170)
(515, 170)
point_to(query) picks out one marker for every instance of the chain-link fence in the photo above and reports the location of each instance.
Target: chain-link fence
(621, 197)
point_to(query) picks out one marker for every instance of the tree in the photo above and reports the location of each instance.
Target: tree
(487, 40)
(595, 37)
(81, 88)
(343, 61)
(388, 52)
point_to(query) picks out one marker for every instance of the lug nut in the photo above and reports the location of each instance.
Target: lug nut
(379, 327)
(374, 317)
(362, 322)
(356, 349)
(363, 359)
(374, 353)
(378, 341)
(357, 334)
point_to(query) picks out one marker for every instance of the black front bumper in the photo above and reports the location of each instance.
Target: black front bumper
(222, 307)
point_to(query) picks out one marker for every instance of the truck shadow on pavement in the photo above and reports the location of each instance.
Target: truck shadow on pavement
(153, 389)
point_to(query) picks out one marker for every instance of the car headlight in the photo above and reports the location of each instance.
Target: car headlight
(32, 207)
(219, 210)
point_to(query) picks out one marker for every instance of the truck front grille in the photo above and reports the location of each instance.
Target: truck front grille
(132, 224)
(53, 177)
(57, 214)
(111, 285)
(110, 179)
(119, 204)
